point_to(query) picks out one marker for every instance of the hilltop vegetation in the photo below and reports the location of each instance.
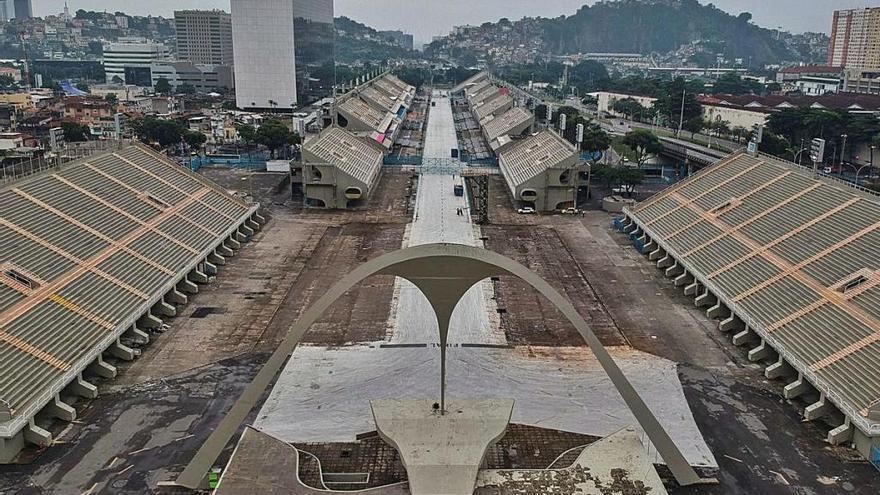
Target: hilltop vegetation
(662, 26)
(358, 42)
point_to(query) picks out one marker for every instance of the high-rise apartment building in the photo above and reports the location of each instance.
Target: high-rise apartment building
(284, 52)
(24, 9)
(204, 36)
(855, 39)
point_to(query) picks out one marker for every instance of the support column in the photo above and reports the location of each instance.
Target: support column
(149, 321)
(102, 368)
(760, 353)
(743, 337)
(692, 290)
(239, 236)
(654, 253)
(198, 277)
(122, 351)
(10, 447)
(137, 336)
(665, 262)
(817, 409)
(175, 297)
(188, 287)
(796, 388)
(36, 435)
(222, 250)
(778, 369)
(82, 388)
(60, 410)
(684, 279)
(841, 434)
(705, 299)
(254, 226)
(675, 270)
(209, 268)
(730, 324)
(232, 243)
(717, 312)
(244, 229)
(162, 308)
(259, 219)
(216, 258)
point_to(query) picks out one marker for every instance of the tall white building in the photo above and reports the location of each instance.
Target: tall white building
(278, 47)
(131, 60)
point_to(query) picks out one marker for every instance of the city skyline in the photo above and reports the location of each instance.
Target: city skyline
(425, 19)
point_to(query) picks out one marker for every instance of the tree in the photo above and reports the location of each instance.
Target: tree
(164, 132)
(720, 127)
(82, 87)
(186, 89)
(588, 75)
(74, 132)
(595, 138)
(619, 177)
(111, 98)
(669, 104)
(628, 107)
(194, 139)
(228, 105)
(273, 134)
(7, 82)
(162, 86)
(694, 125)
(247, 134)
(644, 144)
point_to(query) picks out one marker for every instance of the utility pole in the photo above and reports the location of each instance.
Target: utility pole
(681, 117)
(842, 148)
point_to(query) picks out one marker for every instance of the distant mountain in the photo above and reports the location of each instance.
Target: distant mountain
(663, 26)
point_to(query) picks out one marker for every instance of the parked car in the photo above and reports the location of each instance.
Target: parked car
(571, 211)
(528, 210)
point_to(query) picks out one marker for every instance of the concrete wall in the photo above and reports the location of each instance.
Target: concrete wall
(551, 193)
(324, 186)
(735, 117)
(606, 100)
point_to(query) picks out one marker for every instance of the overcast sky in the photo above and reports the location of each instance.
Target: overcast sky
(426, 18)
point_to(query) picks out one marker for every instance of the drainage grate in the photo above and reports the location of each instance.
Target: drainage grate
(204, 311)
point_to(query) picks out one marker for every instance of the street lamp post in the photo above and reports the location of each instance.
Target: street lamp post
(842, 147)
(871, 170)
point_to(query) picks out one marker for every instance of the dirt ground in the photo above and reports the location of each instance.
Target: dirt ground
(527, 317)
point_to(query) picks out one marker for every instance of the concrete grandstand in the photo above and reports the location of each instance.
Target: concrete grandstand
(500, 131)
(339, 169)
(787, 262)
(96, 253)
(541, 171)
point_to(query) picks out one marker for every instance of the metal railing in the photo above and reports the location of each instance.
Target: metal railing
(16, 171)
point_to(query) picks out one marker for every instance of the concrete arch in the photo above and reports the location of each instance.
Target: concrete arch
(443, 272)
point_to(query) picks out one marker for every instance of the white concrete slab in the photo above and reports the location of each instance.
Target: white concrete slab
(324, 394)
(442, 452)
